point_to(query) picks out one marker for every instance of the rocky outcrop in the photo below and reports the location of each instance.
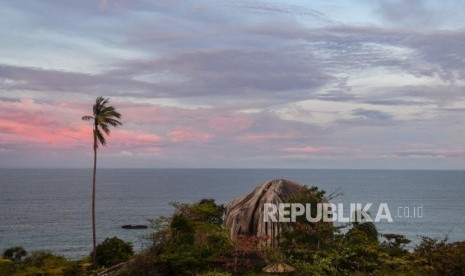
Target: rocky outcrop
(129, 226)
(278, 267)
(244, 215)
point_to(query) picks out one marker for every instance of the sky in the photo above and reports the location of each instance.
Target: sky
(362, 84)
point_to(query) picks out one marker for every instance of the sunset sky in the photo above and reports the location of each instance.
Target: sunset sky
(240, 84)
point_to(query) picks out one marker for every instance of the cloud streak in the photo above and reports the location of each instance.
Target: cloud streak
(259, 83)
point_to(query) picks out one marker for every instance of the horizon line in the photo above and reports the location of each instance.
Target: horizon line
(231, 168)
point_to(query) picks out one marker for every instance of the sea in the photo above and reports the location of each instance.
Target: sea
(50, 209)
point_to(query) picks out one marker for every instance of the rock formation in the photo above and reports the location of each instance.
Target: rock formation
(278, 267)
(244, 215)
(129, 226)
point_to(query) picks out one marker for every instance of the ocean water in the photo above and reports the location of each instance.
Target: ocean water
(49, 209)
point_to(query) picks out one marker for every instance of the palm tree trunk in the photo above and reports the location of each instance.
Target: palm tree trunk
(94, 262)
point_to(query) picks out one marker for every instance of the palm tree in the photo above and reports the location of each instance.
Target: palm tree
(103, 116)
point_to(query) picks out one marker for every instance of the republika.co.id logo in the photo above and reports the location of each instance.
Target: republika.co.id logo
(330, 212)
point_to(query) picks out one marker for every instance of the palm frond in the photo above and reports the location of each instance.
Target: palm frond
(113, 122)
(115, 114)
(104, 116)
(111, 112)
(105, 101)
(100, 137)
(100, 103)
(87, 118)
(106, 109)
(96, 106)
(105, 128)
(100, 119)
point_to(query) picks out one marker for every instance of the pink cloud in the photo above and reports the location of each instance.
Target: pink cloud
(188, 135)
(437, 153)
(230, 124)
(124, 139)
(453, 153)
(306, 149)
(153, 149)
(146, 113)
(149, 114)
(2, 150)
(123, 135)
(262, 137)
(29, 124)
(149, 138)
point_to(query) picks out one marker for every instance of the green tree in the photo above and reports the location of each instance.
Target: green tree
(103, 116)
(113, 251)
(193, 240)
(15, 254)
(304, 238)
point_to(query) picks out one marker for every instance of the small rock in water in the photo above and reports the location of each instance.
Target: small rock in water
(129, 226)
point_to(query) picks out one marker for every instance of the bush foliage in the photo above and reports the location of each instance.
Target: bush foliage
(113, 251)
(36, 263)
(15, 254)
(194, 241)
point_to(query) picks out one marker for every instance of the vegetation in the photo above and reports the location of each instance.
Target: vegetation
(16, 261)
(103, 116)
(15, 254)
(38, 263)
(304, 238)
(194, 241)
(113, 251)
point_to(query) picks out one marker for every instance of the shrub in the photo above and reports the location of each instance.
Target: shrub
(303, 238)
(206, 210)
(441, 257)
(113, 251)
(192, 240)
(394, 244)
(15, 254)
(366, 228)
(45, 259)
(74, 269)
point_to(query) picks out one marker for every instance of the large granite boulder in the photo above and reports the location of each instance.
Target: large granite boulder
(244, 215)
